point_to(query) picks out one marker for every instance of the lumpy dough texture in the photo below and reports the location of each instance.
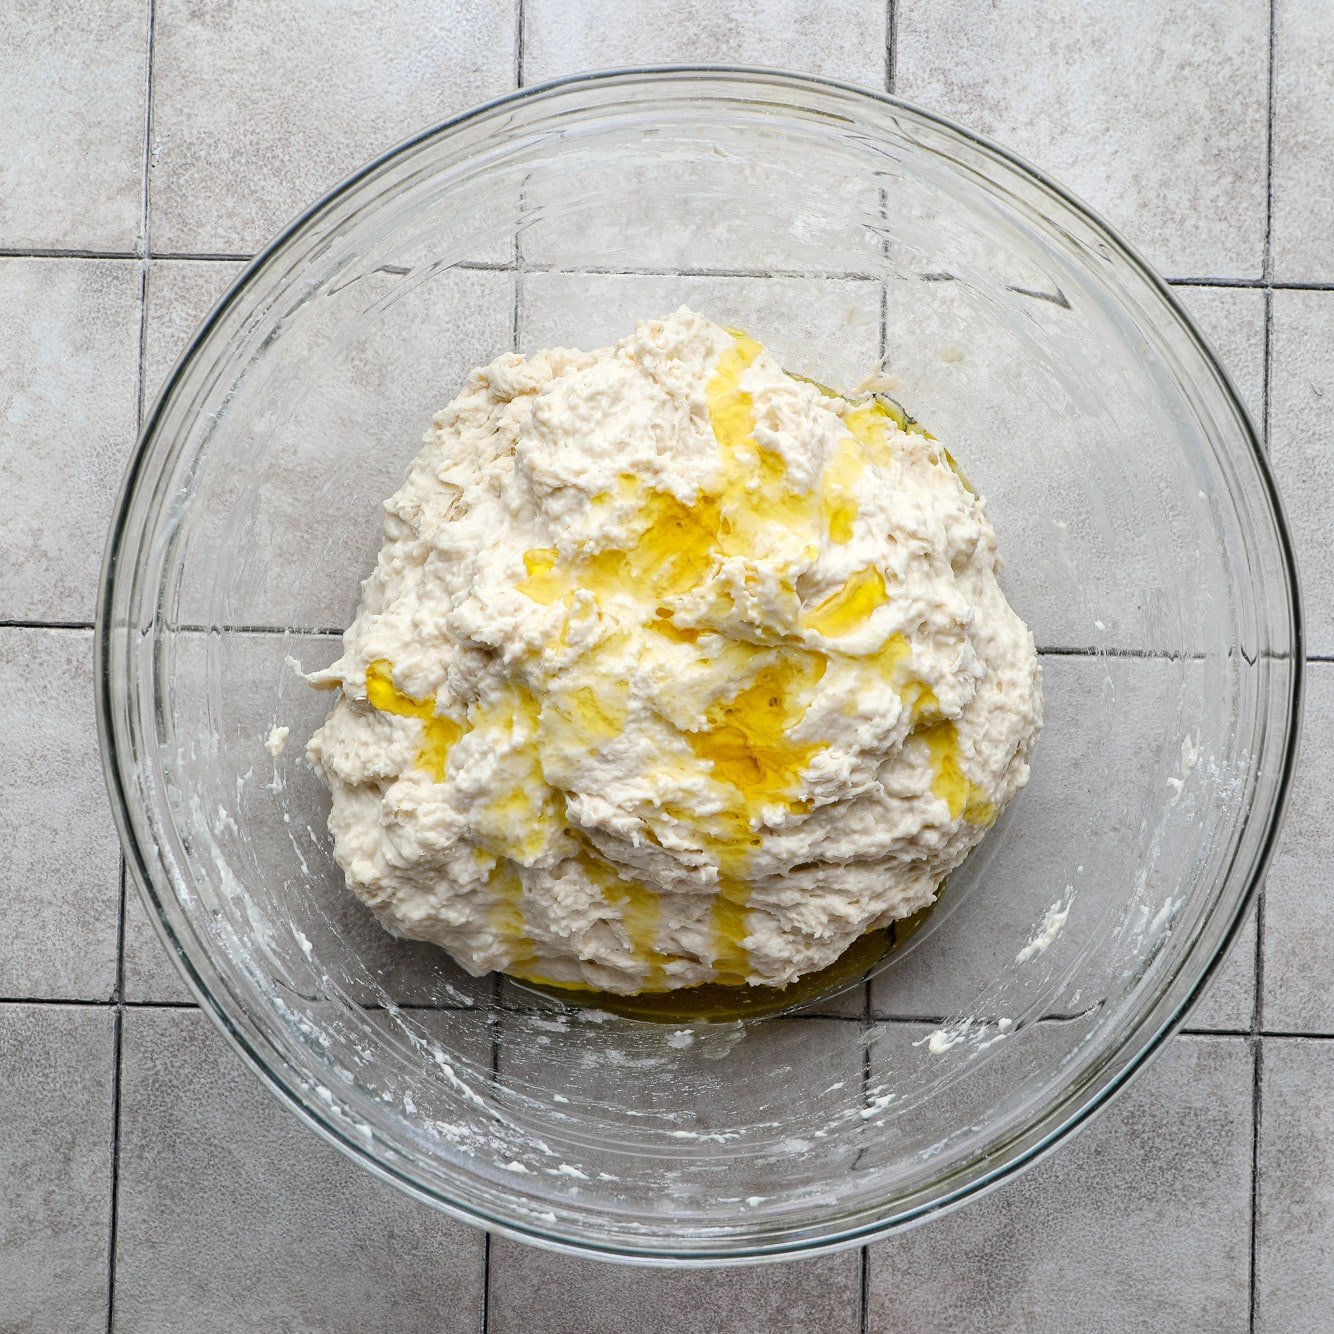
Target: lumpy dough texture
(674, 668)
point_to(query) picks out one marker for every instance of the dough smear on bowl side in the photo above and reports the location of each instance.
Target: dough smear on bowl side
(674, 669)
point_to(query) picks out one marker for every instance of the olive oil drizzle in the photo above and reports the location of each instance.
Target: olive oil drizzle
(746, 741)
(438, 733)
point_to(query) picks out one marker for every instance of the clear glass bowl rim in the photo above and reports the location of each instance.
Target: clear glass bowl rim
(114, 700)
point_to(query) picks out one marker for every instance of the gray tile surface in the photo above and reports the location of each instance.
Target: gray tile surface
(533, 1290)
(844, 39)
(1229, 1003)
(59, 877)
(1295, 1233)
(1140, 1222)
(1167, 141)
(391, 352)
(1303, 238)
(148, 974)
(69, 335)
(55, 1167)
(1301, 434)
(1233, 320)
(792, 1077)
(73, 82)
(178, 294)
(258, 108)
(1299, 911)
(232, 1216)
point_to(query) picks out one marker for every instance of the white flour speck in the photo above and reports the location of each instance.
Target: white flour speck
(1052, 922)
(877, 1105)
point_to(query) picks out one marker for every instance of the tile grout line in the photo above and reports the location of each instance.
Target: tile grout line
(58, 252)
(1224, 284)
(836, 275)
(1267, 259)
(1257, 1101)
(118, 1023)
(866, 1021)
(1257, 1010)
(1258, 1005)
(519, 267)
(1244, 284)
(907, 1020)
(486, 1282)
(865, 1284)
(864, 1258)
(111, 1004)
(518, 44)
(891, 46)
(15, 624)
(117, 1029)
(204, 256)
(1266, 367)
(493, 1024)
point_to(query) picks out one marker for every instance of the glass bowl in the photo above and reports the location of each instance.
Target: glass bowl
(1143, 543)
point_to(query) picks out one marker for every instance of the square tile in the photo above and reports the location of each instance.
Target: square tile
(532, 1289)
(985, 361)
(924, 1102)
(61, 870)
(273, 833)
(326, 424)
(1303, 231)
(1233, 320)
(1294, 1285)
(637, 1099)
(1156, 117)
(1301, 445)
(69, 353)
(1141, 1221)
(827, 328)
(1299, 914)
(259, 108)
(844, 39)
(233, 1215)
(178, 294)
(72, 95)
(1082, 834)
(654, 191)
(55, 1167)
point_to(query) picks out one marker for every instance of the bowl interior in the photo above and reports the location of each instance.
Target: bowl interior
(848, 234)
